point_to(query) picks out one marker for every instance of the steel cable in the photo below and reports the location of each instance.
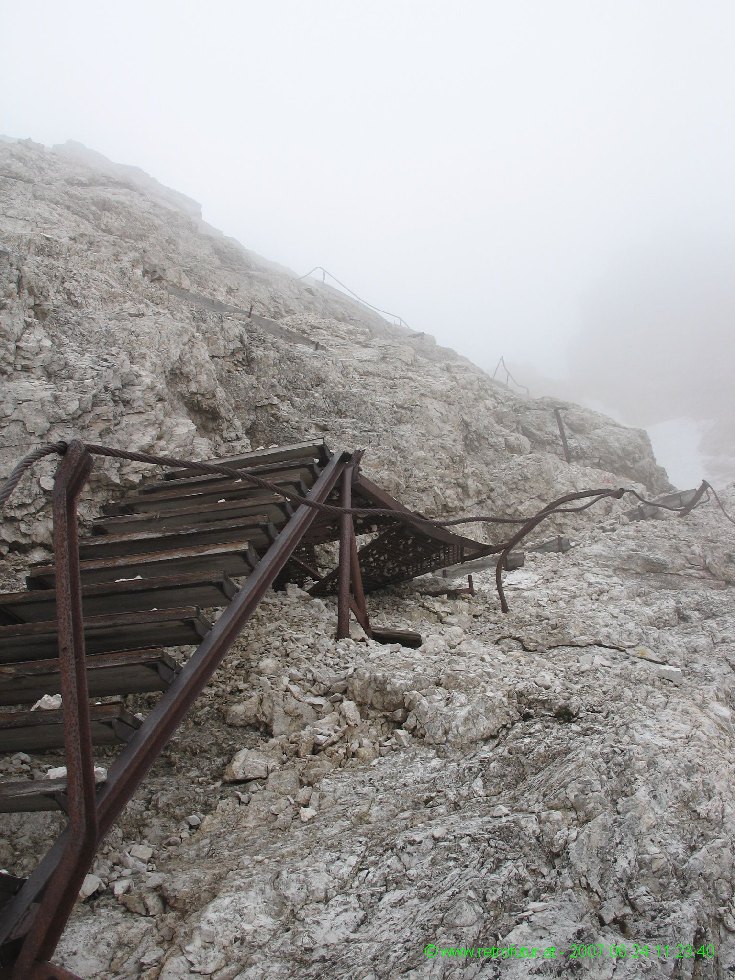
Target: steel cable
(527, 524)
(319, 268)
(25, 464)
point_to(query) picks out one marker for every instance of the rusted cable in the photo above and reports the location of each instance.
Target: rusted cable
(480, 519)
(527, 524)
(551, 508)
(719, 503)
(682, 509)
(25, 464)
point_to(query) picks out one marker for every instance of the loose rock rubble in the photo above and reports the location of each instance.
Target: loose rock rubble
(562, 774)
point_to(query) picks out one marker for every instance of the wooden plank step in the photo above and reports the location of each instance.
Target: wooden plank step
(270, 505)
(207, 481)
(179, 499)
(123, 672)
(313, 449)
(104, 634)
(31, 795)
(219, 486)
(236, 559)
(386, 634)
(516, 559)
(37, 731)
(168, 592)
(147, 542)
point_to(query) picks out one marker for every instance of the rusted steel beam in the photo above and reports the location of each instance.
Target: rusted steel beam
(562, 433)
(305, 567)
(358, 591)
(82, 830)
(346, 533)
(361, 616)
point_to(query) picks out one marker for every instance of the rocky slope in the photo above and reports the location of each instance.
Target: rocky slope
(127, 320)
(558, 776)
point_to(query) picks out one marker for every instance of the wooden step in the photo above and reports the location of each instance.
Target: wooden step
(178, 498)
(270, 505)
(123, 672)
(167, 489)
(31, 795)
(37, 731)
(236, 559)
(315, 450)
(209, 481)
(205, 489)
(104, 634)
(387, 634)
(259, 531)
(170, 592)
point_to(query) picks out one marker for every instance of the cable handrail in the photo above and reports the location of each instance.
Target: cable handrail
(509, 376)
(418, 521)
(325, 272)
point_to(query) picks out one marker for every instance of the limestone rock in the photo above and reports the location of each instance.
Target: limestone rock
(249, 764)
(127, 320)
(90, 885)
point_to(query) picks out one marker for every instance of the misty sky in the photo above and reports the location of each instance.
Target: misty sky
(492, 172)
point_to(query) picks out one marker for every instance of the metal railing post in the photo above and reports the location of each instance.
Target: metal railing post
(81, 839)
(563, 435)
(346, 532)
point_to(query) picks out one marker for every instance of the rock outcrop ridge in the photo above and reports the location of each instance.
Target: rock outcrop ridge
(129, 321)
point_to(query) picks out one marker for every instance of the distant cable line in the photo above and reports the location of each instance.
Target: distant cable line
(508, 376)
(324, 272)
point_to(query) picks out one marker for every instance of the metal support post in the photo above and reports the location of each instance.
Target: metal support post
(358, 603)
(563, 435)
(81, 839)
(346, 533)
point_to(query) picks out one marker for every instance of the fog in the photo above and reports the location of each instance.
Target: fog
(551, 182)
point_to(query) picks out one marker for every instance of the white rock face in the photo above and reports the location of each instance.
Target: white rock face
(49, 702)
(248, 765)
(124, 321)
(90, 885)
(559, 775)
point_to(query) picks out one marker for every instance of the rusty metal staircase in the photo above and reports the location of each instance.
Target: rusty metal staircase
(97, 622)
